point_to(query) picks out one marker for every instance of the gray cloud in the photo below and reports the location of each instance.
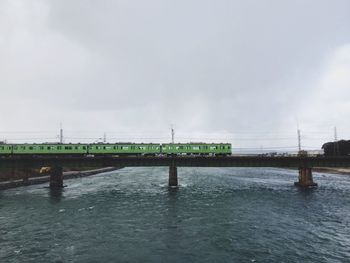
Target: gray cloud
(209, 67)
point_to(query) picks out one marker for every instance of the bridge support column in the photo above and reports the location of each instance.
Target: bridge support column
(56, 177)
(173, 175)
(305, 178)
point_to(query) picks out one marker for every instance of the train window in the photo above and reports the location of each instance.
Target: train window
(84, 147)
(48, 147)
(76, 147)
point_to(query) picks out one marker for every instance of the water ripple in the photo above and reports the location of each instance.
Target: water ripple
(216, 215)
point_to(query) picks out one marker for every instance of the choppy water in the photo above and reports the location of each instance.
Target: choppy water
(216, 215)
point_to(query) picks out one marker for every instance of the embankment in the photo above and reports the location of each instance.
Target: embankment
(44, 179)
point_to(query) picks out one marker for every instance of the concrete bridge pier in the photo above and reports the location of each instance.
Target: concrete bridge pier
(173, 175)
(305, 178)
(56, 177)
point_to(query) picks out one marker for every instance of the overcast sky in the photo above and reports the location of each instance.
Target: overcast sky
(240, 71)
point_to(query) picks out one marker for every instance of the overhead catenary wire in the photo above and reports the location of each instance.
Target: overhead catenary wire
(267, 140)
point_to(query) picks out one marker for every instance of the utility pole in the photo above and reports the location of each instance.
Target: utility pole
(336, 146)
(299, 140)
(61, 134)
(104, 138)
(172, 134)
(335, 134)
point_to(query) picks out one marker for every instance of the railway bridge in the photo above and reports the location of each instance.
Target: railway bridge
(302, 163)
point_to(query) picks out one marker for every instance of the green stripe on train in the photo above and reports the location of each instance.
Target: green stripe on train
(49, 149)
(5, 149)
(196, 148)
(141, 148)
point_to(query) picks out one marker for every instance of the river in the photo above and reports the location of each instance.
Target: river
(215, 215)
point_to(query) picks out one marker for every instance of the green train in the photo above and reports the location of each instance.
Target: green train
(152, 149)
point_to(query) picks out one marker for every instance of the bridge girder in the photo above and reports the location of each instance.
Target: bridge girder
(181, 161)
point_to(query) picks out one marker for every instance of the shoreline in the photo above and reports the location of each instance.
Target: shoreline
(343, 171)
(330, 170)
(45, 179)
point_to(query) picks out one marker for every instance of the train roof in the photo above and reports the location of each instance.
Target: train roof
(211, 143)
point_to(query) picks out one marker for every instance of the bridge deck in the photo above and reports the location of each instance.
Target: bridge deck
(180, 161)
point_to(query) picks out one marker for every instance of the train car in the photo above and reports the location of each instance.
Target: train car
(117, 149)
(46, 149)
(5, 149)
(124, 149)
(197, 149)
